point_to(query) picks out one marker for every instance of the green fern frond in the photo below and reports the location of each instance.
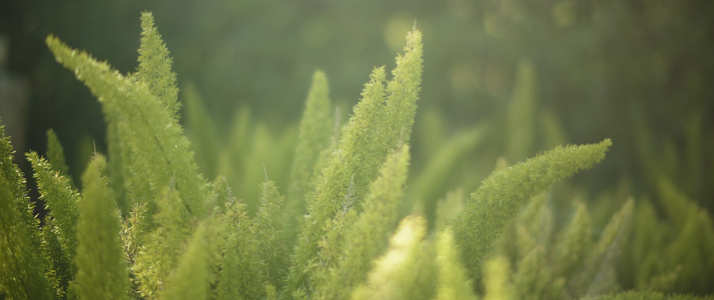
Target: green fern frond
(407, 270)
(365, 142)
(597, 275)
(55, 154)
(21, 268)
(160, 155)
(269, 223)
(403, 91)
(101, 269)
(313, 138)
(369, 234)
(496, 279)
(58, 264)
(202, 131)
(163, 247)
(241, 276)
(61, 202)
(574, 242)
(119, 162)
(155, 66)
(190, 280)
(453, 283)
(505, 192)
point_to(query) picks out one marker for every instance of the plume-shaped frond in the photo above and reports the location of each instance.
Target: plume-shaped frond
(241, 276)
(21, 269)
(55, 153)
(190, 279)
(160, 155)
(453, 283)
(407, 270)
(155, 66)
(270, 238)
(101, 269)
(201, 130)
(61, 202)
(316, 128)
(503, 194)
(497, 270)
(381, 120)
(369, 234)
(163, 245)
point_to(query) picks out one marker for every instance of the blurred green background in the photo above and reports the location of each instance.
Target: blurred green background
(631, 70)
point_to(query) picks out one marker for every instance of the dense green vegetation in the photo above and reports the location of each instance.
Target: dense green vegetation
(332, 209)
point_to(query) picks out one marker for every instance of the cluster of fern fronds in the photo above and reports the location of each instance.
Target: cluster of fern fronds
(144, 223)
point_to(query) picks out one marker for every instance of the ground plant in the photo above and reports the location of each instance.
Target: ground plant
(159, 217)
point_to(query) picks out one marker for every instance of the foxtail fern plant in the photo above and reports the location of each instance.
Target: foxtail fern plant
(144, 223)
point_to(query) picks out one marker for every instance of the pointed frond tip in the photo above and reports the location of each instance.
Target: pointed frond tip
(155, 65)
(72, 58)
(502, 195)
(413, 40)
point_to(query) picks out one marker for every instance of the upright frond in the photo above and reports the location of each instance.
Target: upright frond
(155, 65)
(313, 137)
(190, 279)
(21, 269)
(369, 235)
(381, 121)
(101, 269)
(162, 249)
(241, 276)
(403, 90)
(269, 223)
(407, 270)
(496, 274)
(55, 153)
(202, 131)
(61, 201)
(452, 283)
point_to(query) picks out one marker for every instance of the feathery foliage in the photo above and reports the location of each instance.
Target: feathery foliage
(55, 153)
(159, 150)
(269, 223)
(190, 279)
(504, 193)
(101, 269)
(59, 232)
(381, 119)
(21, 269)
(313, 136)
(369, 233)
(147, 225)
(201, 131)
(405, 270)
(453, 283)
(496, 279)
